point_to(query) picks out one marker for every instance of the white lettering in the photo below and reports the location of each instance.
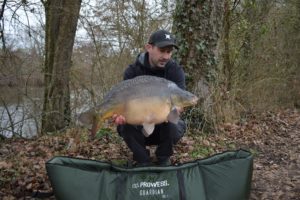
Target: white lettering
(151, 188)
(151, 184)
(151, 192)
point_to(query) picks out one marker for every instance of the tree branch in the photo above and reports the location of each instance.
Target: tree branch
(2, 24)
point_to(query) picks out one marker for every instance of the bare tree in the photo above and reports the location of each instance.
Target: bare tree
(61, 23)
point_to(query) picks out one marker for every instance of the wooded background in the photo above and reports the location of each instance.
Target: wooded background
(240, 56)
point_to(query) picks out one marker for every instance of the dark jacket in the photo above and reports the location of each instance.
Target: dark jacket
(172, 71)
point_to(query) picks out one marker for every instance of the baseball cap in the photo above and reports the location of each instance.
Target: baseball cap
(162, 38)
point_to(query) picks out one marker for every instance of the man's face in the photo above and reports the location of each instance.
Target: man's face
(158, 57)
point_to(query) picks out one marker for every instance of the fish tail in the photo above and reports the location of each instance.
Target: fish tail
(97, 124)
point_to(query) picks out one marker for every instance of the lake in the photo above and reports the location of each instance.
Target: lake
(20, 109)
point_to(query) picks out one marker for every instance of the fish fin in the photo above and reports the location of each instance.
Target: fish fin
(94, 129)
(97, 124)
(148, 129)
(173, 116)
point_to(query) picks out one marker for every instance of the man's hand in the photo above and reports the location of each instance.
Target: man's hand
(118, 119)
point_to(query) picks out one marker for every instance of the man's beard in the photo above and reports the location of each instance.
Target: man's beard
(158, 65)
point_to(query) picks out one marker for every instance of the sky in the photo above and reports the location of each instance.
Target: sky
(23, 23)
(17, 20)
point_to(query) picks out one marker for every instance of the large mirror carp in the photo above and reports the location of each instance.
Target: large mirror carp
(143, 100)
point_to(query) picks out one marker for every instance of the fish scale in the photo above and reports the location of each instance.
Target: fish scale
(135, 84)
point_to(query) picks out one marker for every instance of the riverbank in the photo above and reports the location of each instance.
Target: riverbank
(273, 138)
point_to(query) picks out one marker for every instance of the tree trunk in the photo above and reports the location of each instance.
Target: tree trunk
(61, 23)
(296, 79)
(227, 67)
(198, 28)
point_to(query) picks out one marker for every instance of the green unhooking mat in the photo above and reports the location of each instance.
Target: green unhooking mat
(225, 176)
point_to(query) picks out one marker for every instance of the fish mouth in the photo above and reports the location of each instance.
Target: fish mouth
(191, 102)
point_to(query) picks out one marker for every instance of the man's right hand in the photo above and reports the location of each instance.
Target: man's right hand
(118, 119)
